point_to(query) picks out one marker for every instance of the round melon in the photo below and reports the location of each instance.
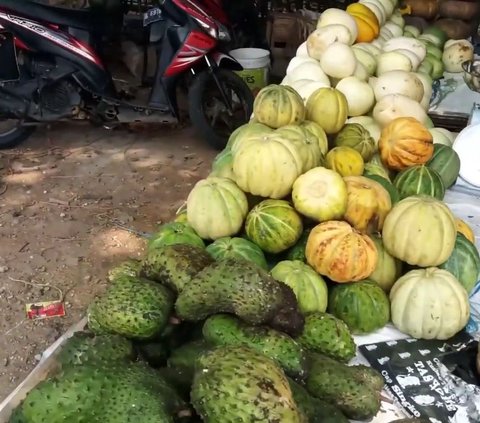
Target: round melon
(388, 268)
(375, 169)
(175, 233)
(278, 105)
(359, 95)
(328, 108)
(222, 165)
(429, 304)
(394, 195)
(244, 131)
(317, 131)
(297, 252)
(267, 163)
(345, 160)
(446, 163)
(419, 180)
(357, 137)
(308, 286)
(320, 194)
(363, 306)
(336, 250)
(420, 231)
(464, 262)
(216, 207)
(239, 248)
(274, 226)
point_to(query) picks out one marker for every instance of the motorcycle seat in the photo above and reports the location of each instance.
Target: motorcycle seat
(62, 16)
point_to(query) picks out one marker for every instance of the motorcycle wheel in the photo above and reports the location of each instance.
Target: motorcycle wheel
(209, 113)
(12, 134)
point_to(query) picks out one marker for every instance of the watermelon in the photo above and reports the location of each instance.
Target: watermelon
(175, 233)
(394, 195)
(274, 226)
(309, 287)
(419, 180)
(464, 263)
(363, 306)
(297, 252)
(241, 248)
(446, 162)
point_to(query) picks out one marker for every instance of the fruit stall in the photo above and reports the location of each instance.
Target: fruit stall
(325, 271)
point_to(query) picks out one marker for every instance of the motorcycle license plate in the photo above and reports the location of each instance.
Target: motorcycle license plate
(152, 15)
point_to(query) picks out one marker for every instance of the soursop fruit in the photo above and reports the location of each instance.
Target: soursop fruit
(315, 409)
(184, 357)
(74, 395)
(129, 268)
(83, 347)
(324, 333)
(139, 393)
(244, 289)
(238, 384)
(335, 382)
(369, 376)
(136, 308)
(175, 266)
(227, 330)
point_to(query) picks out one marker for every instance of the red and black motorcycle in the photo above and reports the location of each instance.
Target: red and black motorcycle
(52, 69)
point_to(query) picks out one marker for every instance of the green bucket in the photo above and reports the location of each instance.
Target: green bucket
(256, 66)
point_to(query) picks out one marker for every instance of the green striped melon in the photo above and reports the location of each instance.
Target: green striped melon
(297, 252)
(375, 169)
(274, 226)
(309, 287)
(222, 165)
(239, 248)
(363, 306)
(419, 180)
(464, 262)
(357, 137)
(446, 162)
(376, 160)
(175, 233)
(385, 183)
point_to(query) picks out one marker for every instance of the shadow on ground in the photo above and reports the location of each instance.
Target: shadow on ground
(63, 196)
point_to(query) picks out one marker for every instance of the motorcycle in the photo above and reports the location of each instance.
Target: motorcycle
(53, 70)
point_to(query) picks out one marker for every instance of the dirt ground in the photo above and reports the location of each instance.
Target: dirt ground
(62, 197)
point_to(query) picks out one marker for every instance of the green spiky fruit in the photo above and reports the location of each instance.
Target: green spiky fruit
(238, 384)
(226, 330)
(129, 268)
(175, 265)
(315, 409)
(136, 308)
(324, 333)
(241, 288)
(82, 348)
(335, 383)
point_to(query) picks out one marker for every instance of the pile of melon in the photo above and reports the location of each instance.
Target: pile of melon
(354, 224)
(384, 68)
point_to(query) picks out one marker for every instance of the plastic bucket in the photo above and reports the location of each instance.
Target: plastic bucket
(256, 64)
